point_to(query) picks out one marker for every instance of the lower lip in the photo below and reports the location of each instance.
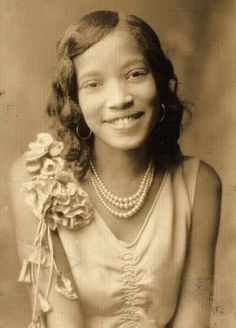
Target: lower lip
(125, 125)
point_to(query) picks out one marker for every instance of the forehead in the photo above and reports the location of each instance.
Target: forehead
(118, 47)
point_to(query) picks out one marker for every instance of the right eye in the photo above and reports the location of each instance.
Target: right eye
(91, 84)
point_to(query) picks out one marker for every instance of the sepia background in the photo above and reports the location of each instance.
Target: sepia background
(198, 36)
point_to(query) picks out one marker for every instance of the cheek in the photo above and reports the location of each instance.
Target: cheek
(149, 92)
(150, 99)
(87, 105)
(153, 94)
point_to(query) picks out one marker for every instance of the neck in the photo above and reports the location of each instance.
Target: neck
(120, 163)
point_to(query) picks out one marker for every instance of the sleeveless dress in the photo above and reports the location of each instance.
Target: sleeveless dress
(135, 285)
(124, 285)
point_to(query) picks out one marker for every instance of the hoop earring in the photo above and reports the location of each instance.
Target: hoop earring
(82, 137)
(163, 113)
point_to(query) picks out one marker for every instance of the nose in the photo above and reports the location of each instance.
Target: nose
(118, 97)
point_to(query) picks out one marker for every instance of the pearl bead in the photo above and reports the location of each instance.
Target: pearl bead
(132, 203)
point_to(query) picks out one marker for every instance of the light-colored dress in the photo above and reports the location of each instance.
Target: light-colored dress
(134, 285)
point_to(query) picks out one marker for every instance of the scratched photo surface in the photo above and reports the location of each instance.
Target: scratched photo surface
(198, 36)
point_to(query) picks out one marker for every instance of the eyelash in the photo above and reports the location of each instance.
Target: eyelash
(138, 72)
(91, 84)
(141, 72)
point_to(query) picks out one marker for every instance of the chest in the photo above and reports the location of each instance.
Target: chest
(127, 229)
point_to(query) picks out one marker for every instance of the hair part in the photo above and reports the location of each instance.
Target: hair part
(64, 105)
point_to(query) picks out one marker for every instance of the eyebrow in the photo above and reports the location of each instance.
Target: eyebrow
(139, 60)
(88, 75)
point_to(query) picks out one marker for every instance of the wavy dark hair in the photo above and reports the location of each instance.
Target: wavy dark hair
(64, 102)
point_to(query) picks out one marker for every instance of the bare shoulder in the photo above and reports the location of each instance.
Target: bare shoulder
(208, 178)
(17, 176)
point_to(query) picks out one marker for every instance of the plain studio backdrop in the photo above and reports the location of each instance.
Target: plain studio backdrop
(198, 36)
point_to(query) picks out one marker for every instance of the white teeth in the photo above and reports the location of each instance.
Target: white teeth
(123, 121)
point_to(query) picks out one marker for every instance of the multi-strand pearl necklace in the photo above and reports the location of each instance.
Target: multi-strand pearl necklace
(125, 207)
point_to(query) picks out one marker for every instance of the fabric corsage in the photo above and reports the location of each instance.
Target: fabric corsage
(56, 199)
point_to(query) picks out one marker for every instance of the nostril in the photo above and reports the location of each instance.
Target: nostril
(120, 101)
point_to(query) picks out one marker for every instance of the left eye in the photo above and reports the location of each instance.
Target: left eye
(137, 73)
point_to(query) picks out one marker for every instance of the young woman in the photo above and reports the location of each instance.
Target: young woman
(116, 226)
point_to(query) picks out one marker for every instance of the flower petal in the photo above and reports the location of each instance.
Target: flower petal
(71, 188)
(64, 177)
(56, 149)
(52, 166)
(33, 166)
(48, 166)
(44, 139)
(34, 154)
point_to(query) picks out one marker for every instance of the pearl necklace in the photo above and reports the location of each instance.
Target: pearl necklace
(129, 205)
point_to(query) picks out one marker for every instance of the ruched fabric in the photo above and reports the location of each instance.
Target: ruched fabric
(135, 285)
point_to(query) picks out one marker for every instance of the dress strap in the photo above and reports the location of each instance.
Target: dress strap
(190, 169)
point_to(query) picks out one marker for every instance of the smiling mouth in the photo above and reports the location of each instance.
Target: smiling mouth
(126, 122)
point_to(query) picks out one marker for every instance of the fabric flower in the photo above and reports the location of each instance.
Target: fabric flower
(52, 166)
(70, 205)
(59, 201)
(56, 199)
(38, 194)
(44, 147)
(53, 194)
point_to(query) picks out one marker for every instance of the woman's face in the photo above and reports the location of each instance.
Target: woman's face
(117, 92)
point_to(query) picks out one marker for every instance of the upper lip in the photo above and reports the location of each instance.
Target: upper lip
(120, 116)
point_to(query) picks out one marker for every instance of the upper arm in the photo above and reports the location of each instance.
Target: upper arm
(24, 222)
(205, 222)
(197, 281)
(64, 313)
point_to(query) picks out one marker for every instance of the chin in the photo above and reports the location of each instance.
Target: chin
(128, 144)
